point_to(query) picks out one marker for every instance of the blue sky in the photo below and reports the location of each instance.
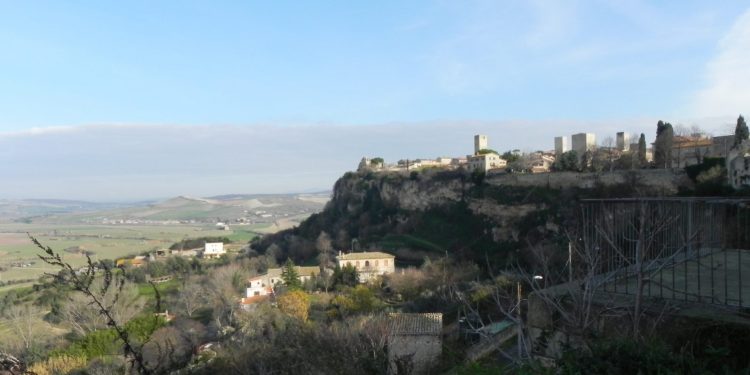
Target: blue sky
(304, 68)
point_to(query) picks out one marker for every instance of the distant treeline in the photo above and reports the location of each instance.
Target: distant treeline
(194, 243)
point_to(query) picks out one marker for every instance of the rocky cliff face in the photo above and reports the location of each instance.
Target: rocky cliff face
(431, 212)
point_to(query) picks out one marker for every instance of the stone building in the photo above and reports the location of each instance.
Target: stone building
(690, 150)
(623, 141)
(369, 264)
(414, 342)
(485, 162)
(367, 164)
(261, 287)
(480, 143)
(721, 145)
(738, 166)
(561, 145)
(263, 284)
(583, 142)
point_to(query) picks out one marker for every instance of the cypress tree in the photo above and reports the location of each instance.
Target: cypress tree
(740, 132)
(642, 151)
(290, 276)
(663, 145)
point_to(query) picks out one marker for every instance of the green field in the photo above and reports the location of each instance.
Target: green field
(105, 241)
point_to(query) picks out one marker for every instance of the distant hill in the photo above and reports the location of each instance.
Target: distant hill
(28, 209)
(226, 208)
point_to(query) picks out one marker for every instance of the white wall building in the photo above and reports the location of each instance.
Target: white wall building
(369, 264)
(486, 162)
(561, 145)
(262, 285)
(213, 250)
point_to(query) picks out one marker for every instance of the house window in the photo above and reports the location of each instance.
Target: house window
(367, 263)
(357, 264)
(385, 262)
(376, 262)
(256, 293)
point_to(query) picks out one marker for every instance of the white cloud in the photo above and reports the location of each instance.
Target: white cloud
(727, 89)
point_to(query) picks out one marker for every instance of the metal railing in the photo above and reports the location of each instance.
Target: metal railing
(689, 249)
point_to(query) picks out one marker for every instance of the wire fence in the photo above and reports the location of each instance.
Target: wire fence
(689, 249)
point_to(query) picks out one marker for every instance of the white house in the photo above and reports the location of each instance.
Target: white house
(262, 285)
(213, 250)
(486, 162)
(369, 264)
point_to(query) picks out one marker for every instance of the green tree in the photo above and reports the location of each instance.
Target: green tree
(663, 145)
(487, 151)
(510, 157)
(740, 132)
(357, 300)
(642, 151)
(568, 161)
(375, 162)
(290, 276)
(478, 176)
(346, 276)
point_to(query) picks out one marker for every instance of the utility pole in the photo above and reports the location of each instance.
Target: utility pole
(520, 322)
(570, 261)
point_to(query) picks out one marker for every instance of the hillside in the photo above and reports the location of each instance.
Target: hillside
(432, 213)
(26, 209)
(253, 209)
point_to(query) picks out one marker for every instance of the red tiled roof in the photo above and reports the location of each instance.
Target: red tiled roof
(252, 300)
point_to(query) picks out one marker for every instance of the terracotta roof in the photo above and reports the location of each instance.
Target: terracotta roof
(416, 324)
(365, 255)
(686, 142)
(252, 300)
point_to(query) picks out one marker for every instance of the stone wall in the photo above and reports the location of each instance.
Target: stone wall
(667, 180)
(419, 352)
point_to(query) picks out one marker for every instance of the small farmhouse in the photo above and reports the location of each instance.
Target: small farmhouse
(263, 285)
(213, 250)
(414, 342)
(369, 264)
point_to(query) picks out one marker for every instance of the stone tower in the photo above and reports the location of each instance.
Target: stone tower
(561, 145)
(480, 143)
(623, 141)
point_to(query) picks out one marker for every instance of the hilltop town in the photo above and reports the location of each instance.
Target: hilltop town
(678, 147)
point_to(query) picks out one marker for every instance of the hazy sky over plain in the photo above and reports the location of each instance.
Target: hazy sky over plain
(143, 99)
